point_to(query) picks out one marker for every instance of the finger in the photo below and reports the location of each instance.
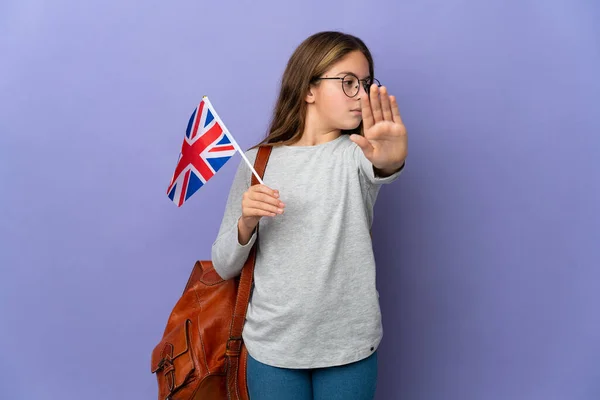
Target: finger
(395, 110)
(376, 104)
(265, 189)
(367, 114)
(259, 205)
(265, 198)
(363, 143)
(385, 104)
(257, 212)
(269, 207)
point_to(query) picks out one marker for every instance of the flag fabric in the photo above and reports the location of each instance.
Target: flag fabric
(207, 146)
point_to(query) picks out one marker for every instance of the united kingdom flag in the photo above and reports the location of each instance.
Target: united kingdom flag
(207, 146)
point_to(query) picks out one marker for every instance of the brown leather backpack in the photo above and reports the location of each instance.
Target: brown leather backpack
(201, 355)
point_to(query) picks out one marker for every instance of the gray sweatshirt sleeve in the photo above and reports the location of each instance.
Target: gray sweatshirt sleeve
(228, 255)
(366, 168)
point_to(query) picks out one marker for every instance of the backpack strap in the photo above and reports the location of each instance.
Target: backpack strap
(247, 275)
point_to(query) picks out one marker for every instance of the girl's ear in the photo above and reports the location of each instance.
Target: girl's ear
(310, 96)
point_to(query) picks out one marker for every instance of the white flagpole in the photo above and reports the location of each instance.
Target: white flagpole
(235, 144)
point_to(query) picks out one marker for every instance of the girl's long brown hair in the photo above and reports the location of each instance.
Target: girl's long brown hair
(311, 59)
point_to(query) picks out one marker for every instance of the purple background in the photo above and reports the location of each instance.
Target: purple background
(488, 246)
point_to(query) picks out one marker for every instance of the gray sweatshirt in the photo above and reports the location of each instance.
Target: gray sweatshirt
(314, 302)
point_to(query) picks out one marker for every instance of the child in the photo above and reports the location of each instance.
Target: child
(313, 324)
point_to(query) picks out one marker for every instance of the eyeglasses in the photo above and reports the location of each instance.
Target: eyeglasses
(350, 84)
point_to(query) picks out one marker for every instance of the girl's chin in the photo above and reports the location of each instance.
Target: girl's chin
(350, 125)
(354, 125)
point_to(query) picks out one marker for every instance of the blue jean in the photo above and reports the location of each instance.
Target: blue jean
(355, 381)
